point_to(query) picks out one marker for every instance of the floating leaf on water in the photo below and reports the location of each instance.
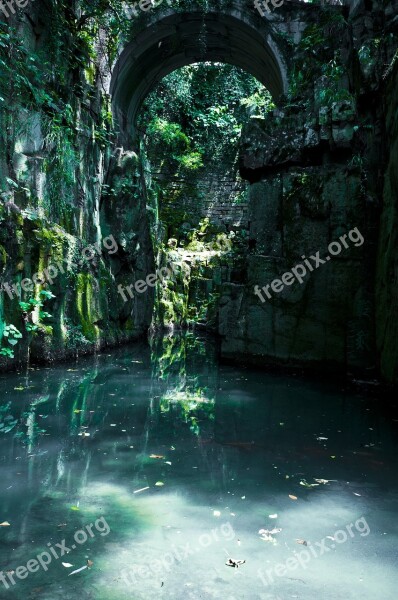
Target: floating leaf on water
(74, 508)
(5, 524)
(141, 490)
(89, 564)
(268, 538)
(308, 485)
(292, 497)
(78, 570)
(303, 542)
(324, 480)
(270, 531)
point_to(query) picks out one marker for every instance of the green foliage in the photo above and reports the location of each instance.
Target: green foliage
(329, 95)
(12, 333)
(7, 421)
(316, 57)
(258, 103)
(46, 294)
(176, 143)
(195, 115)
(368, 51)
(169, 133)
(74, 335)
(7, 352)
(12, 336)
(31, 306)
(191, 161)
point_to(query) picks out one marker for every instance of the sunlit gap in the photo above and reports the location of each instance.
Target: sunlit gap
(190, 126)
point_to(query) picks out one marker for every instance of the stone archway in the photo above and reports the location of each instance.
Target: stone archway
(170, 40)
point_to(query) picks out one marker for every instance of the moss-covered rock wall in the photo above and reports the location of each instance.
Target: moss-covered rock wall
(72, 207)
(387, 260)
(317, 169)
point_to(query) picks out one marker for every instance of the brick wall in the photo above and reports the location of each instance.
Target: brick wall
(224, 200)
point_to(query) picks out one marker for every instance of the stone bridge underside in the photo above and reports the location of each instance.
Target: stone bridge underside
(168, 40)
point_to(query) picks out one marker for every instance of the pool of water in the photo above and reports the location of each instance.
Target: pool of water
(151, 467)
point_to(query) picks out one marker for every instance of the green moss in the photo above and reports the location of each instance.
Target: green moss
(129, 325)
(84, 305)
(46, 329)
(3, 259)
(51, 237)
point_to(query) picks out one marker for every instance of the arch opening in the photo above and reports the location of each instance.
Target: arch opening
(176, 40)
(189, 130)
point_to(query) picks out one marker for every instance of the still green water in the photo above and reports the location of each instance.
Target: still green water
(159, 465)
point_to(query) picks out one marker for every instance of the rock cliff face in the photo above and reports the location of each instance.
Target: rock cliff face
(316, 168)
(387, 258)
(72, 204)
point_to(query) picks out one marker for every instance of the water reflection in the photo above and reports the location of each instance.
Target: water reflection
(185, 369)
(169, 447)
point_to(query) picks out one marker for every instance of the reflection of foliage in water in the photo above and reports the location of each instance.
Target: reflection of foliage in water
(7, 421)
(184, 390)
(168, 357)
(30, 430)
(193, 406)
